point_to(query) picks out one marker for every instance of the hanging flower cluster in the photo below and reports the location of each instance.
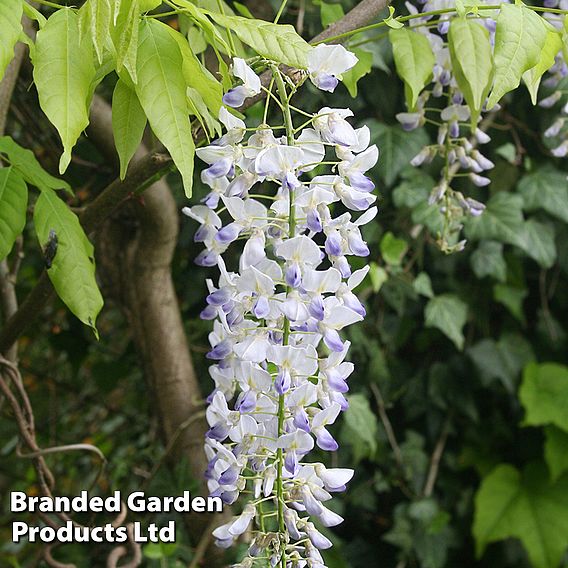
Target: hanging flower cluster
(461, 153)
(279, 361)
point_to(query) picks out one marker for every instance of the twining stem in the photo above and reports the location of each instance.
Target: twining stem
(285, 102)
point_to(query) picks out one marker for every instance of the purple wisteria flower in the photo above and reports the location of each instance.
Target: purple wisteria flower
(278, 356)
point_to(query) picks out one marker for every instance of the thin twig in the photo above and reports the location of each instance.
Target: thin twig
(436, 458)
(203, 544)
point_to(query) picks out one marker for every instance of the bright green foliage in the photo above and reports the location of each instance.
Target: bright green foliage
(273, 41)
(519, 41)
(448, 314)
(125, 37)
(198, 108)
(362, 68)
(10, 29)
(63, 73)
(546, 189)
(524, 506)
(565, 38)
(487, 260)
(147, 5)
(29, 168)
(544, 395)
(330, 13)
(161, 90)
(96, 16)
(414, 61)
(393, 249)
(198, 77)
(556, 451)
(128, 123)
(13, 204)
(532, 77)
(73, 270)
(472, 62)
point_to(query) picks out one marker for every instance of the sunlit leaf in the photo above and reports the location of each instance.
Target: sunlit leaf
(10, 29)
(63, 73)
(13, 204)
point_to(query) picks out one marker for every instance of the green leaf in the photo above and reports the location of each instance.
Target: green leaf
(147, 5)
(10, 29)
(393, 249)
(63, 73)
(502, 220)
(519, 40)
(125, 37)
(503, 359)
(537, 240)
(211, 126)
(448, 314)
(161, 90)
(527, 507)
(378, 276)
(73, 269)
(29, 168)
(198, 77)
(414, 60)
(423, 285)
(488, 260)
(330, 13)
(397, 148)
(362, 422)
(565, 38)
(128, 123)
(413, 191)
(278, 42)
(361, 68)
(472, 62)
(544, 395)
(556, 451)
(546, 189)
(532, 77)
(97, 15)
(512, 298)
(13, 205)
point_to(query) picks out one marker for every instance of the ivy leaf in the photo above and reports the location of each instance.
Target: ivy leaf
(503, 359)
(546, 189)
(544, 395)
(397, 148)
(128, 123)
(97, 17)
(13, 204)
(556, 451)
(414, 60)
(63, 74)
(362, 422)
(532, 77)
(361, 68)
(26, 164)
(393, 249)
(512, 298)
(125, 37)
(528, 507)
(488, 260)
(274, 41)
(161, 90)
(519, 40)
(472, 62)
(73, 268)
(413, 191)
(448, 314)
(423, 285)
(10, 28)
(537, 240)
(502, 220)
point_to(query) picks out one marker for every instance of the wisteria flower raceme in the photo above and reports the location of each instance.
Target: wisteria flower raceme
(278, 357)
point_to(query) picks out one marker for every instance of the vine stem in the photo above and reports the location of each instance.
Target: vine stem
(427, 15)
(285, 102)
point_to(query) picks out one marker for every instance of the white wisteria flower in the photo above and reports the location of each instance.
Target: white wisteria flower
(327, 63)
